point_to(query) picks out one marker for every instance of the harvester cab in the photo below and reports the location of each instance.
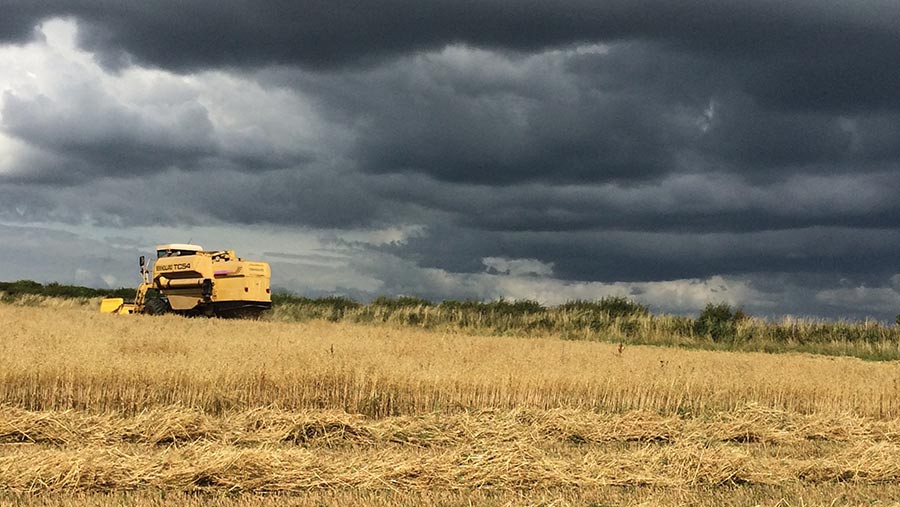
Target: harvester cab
(187, 280)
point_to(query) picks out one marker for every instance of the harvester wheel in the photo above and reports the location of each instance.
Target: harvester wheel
(155, 306)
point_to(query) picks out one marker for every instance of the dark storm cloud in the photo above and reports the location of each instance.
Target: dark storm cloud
(89, 134)
(753, 140)
(485, 140)
(318, 197)
(204, 34)
(681, 203)
(92, 135)
(791, 84)
(474, 116)
(322, 197)
(19, 20)
(628, 112)
(609, 256)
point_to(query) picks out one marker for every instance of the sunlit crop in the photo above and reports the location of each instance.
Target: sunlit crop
(148, 409)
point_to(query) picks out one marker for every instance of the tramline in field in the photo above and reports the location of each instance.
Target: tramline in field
(188, 280)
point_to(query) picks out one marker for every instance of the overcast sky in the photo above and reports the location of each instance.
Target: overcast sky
(678, 153)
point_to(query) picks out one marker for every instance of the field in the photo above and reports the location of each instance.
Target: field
(112, 410)
(611, 319)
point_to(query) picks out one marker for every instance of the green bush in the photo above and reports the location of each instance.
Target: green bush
(718, 321)
(499, 307)
(337, 303)
(609, 306)
(21, 287)
(54, 289)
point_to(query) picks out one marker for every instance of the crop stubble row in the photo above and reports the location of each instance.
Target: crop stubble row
(270, 451)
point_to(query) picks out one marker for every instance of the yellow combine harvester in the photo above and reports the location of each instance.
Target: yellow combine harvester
(188, 280)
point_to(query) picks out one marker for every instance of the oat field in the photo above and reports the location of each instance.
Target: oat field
(144, 411)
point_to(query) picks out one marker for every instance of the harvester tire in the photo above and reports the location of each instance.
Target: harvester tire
(155, 307)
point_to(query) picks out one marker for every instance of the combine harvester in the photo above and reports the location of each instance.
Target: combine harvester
(188, 280)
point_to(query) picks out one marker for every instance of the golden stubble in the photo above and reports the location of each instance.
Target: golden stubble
(383, 415)
(73, 358)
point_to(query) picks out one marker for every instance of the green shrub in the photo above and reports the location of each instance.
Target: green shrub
(21, 287)
(609, 306)
(499, 307)
(54, 289)
(718, 321)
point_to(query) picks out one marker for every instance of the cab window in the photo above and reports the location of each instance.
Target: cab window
(173, 253)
